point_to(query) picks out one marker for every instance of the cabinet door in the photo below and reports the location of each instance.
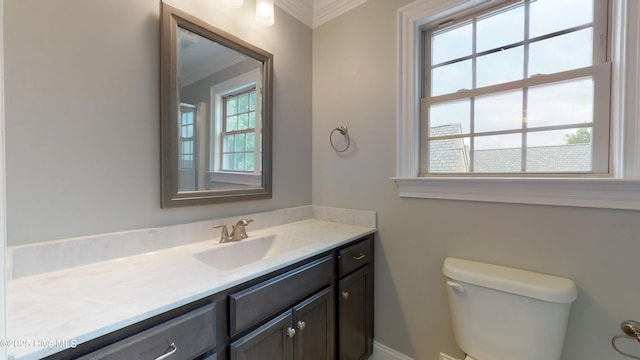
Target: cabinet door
(314, 322)
(355, 307)
(271, 341)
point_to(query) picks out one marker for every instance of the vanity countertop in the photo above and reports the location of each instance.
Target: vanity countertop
(49, 312)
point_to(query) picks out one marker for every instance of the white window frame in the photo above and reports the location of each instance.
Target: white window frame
(218, 92)
(620, 190)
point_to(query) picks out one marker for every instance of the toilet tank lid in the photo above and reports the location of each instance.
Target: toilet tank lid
(516, 281)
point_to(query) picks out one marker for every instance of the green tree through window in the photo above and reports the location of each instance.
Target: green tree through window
(581, 136)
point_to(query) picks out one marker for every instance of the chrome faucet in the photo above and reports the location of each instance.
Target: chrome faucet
(238, 232)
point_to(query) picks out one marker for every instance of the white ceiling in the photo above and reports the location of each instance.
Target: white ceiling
(316, 12)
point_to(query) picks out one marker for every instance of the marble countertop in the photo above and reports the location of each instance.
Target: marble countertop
(49, 312)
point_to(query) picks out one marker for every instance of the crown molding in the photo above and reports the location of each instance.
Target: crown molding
(326, 10)
(314, 13)
(300, 9)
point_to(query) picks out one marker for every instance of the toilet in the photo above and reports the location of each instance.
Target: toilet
(502, 313)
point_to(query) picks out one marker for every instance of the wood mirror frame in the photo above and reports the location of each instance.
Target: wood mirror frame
(172, 196)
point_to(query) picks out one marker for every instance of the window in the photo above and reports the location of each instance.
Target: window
(186, 153)
(618, 187)
(522, 88)
(236, 153)
(239, 132)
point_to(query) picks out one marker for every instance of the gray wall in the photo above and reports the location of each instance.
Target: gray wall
(82, 115)
(354, 84)
(82, 127)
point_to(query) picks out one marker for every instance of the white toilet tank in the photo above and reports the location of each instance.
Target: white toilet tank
(502, 313)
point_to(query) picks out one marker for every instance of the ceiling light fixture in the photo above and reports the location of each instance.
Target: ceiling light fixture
(265, 12)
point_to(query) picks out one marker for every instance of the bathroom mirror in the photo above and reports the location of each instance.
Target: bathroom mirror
(216, 114)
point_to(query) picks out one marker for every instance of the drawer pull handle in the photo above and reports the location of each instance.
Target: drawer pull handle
(359, 257)
(345, 295)
(291, 332)
(301, 325)
(170, 351)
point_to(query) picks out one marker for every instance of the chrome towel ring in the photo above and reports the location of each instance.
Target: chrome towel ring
(345, 132)
(631, 330)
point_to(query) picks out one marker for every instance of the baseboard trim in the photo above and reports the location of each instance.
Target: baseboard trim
(381, 352)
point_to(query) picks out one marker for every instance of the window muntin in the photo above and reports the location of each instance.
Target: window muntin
(499, 100)
(239, 132)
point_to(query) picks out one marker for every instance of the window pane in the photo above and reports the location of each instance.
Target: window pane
(186, 118)
(239, 142)
(551, 55)
(252, 120)
(498, 154)
(450, 118)
(501, 111)
(187, 147)
(252, 101)
(451, 44)
(451, 78)
(548, 16)
(227, 160)
(500, 67)
(239, 162)
(243, 103)
(186, 161)
(491, 32)
(449, 156)
(559, 151)
(232, 123)
(243, 121)
(228, 143)
(186, 131)
(251, 142)
(498, 142)
(232, 106)
(569, 102)
(249, 164)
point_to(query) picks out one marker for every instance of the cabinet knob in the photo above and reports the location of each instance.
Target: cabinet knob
(345, 295)
(301, 325)
(291, 332)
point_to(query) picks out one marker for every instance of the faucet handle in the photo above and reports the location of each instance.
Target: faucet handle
(224, 235)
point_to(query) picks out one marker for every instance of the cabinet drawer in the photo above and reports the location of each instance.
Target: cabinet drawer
(259, 302)
(186, 337)
(355, 256)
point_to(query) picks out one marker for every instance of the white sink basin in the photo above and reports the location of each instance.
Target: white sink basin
(232, 255)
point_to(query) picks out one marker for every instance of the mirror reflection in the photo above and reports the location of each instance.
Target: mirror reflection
(216, 114)
(220, 137)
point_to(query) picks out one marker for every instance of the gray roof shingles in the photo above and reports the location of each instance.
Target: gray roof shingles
(452, 156)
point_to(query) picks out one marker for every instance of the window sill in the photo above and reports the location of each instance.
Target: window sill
(247, 179)
(592, 192)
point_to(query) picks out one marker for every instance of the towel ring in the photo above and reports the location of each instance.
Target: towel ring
(345, 132)
(615, 347)
(631, 331)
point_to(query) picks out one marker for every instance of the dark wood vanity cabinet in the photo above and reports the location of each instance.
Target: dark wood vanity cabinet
(320, 308)
(355, 301)
(342, 312)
